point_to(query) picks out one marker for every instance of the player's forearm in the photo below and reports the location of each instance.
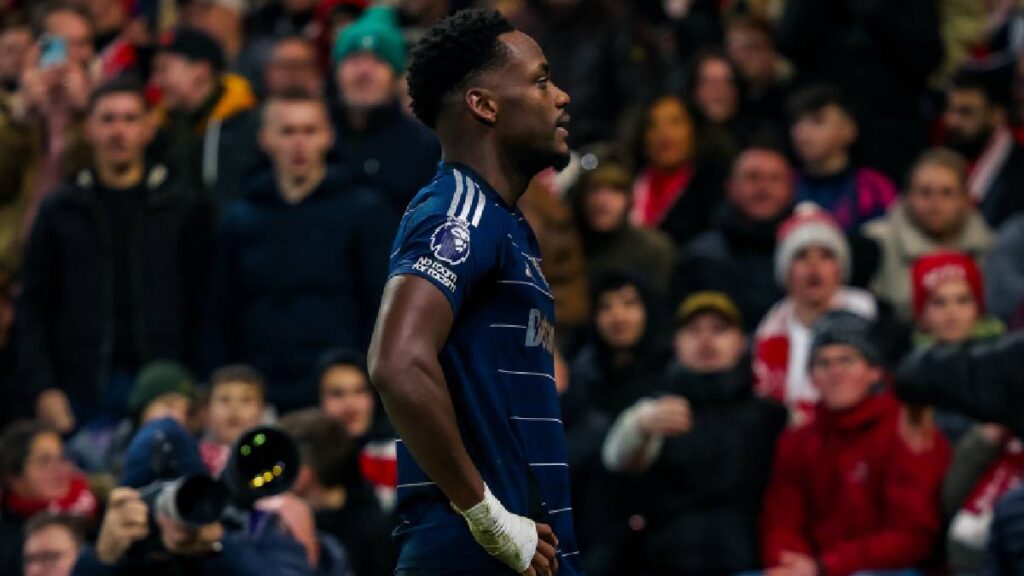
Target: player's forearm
(417, 401)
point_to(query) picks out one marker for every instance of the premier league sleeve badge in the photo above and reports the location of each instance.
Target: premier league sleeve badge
(450, 241)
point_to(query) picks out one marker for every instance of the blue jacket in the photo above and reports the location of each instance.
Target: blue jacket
(292, 281)
(1006, 540)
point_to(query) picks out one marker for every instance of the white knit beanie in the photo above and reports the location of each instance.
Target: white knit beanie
(809, 226)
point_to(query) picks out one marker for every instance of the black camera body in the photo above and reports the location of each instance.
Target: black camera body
(263, 462)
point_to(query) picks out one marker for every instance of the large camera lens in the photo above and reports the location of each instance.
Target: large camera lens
(195, 500)
(263, 462)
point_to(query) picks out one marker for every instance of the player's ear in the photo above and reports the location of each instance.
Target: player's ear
(483, 105)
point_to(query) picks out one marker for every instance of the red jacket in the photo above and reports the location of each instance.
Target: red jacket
(846, 490)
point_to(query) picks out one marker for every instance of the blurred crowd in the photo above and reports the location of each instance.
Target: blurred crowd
(779, 214)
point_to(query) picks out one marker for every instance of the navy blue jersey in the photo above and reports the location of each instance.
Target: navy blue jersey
(498, 363)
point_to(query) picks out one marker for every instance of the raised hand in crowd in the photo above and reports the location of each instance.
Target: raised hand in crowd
(125, 523)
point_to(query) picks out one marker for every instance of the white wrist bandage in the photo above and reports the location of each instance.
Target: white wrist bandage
(510, 538)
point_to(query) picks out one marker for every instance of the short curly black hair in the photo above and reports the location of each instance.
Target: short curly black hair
(450, 53)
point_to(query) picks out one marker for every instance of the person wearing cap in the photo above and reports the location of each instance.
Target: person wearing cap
(693, 458)
(376, 140)
(164, 389)
(209, 121)
(936, 213)
(857, 487)
(948, 294)
(178, 548)
(812, 262)
(611, 241)
(737, 255)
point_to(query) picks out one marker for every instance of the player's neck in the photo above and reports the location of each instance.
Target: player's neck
(497, 169)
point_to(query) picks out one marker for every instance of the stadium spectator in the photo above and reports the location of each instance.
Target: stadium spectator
(345, 507)
(713, 90)
(164, 389)
(301, 259)
(376, 140)
(280, 18)
(855, 489)
(53, 95)
(208, 134)
(52, 542)
(977, 126)
(626, 355)
(949, 308)
(35, 477)
(15, 42)
(609, 72)
(766, 76)
(224, 21)
(346, 396)
(676, 190)
(737, 255)
(1004, 269)
(861, 47)
(602, 203)
(699, 450)
(293, 67)
(564, 264)
(935, 214)
(823, 131)
(236, 404)
(812, 261)
(114, 267)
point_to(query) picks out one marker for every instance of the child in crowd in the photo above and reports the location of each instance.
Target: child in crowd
(236, 404)
(949, 308)
(949, 300)
(823, 131)
(346, 396)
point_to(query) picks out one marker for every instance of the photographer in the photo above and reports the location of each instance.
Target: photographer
(134, 538)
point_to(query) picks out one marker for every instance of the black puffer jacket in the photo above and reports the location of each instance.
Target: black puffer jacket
(984, 380)
(65, 312)
(695, 510)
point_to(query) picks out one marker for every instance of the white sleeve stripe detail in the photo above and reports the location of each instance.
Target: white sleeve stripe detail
(525, 419)
(507, 326)
(458, 193)
(539, 289)
(548, 376)
(467, 206)
(480, 206)
(544, 464)
(560, 510)
(415, 484)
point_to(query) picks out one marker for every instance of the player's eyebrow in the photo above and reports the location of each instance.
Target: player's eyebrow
(544, 69)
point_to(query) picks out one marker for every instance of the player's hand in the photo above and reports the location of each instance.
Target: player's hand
(665, 416)
(125, 523)
(512, 539)
(545, 559)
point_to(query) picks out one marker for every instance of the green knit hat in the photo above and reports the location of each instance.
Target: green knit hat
(375, 31)
(156, 379)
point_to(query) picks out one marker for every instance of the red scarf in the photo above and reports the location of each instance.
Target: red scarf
(1005, 474)
(658, 191)
(78, 501)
